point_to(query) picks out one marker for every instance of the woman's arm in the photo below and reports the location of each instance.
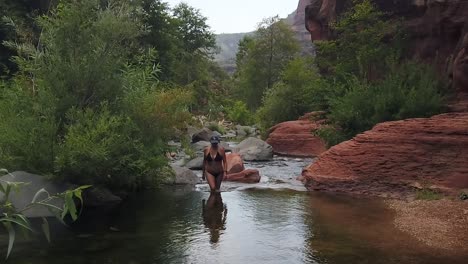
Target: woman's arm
(204, 164)
(224, 163)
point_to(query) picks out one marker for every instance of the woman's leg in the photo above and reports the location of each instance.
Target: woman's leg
(219, 179)
(211, 181)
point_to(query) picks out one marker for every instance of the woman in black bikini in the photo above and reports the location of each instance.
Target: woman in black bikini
(214, 164)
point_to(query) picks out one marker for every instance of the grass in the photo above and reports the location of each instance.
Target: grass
(216, 127)
(428, 195)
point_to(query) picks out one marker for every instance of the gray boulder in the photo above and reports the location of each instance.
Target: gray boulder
(245, 131)
(202, 135)
(201, 145)
(92, 196)
(184, 176)
(195, 164)
(254, 149)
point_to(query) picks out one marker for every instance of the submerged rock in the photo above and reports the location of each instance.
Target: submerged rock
(393, 155)
(246, 176)
(254, 149)
(296, 138)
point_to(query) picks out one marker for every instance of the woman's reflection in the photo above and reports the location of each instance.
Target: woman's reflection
(214, 215)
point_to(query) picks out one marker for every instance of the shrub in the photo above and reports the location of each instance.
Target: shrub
(300, 90)
(239, 113)
(100, 148)
(27, 129)
(428, 194)
(408, 91)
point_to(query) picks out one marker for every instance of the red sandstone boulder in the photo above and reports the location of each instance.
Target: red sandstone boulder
(394, 156)
(295, 138)
(234, 163)
(246, 176)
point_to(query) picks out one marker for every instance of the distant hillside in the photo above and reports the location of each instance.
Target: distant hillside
(228, 44)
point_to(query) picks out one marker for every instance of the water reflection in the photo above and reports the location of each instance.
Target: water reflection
(214, 216)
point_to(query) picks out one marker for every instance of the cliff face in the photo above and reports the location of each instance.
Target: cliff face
(438, 30)
(396, 156)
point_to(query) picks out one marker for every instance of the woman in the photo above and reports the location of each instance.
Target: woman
(214, 164)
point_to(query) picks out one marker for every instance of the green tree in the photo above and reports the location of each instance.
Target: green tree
(300, 90)
(88, 107)
(262, 59)
(197, 43)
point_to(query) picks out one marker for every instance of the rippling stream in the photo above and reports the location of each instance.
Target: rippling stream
(274, 221)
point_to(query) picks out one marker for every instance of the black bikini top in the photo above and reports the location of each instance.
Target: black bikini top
(217, 158)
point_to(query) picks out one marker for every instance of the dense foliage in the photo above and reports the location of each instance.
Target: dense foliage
(88, 107)
(360, 77)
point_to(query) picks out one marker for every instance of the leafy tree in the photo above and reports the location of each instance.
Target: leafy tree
(87, 107)
(299, 91)
(262, 59)
(197, 44)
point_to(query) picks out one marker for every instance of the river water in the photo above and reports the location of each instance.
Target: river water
(275, 221)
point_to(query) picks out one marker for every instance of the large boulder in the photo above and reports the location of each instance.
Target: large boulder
(246, 176)
(195, 164)
(93, 197)
(254, 149)
(296, 138)
(234, 163)
(184, 176)
(201, 145)
(396, 156)
(204, 135)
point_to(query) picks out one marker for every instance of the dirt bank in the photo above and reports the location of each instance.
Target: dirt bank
(441, 224)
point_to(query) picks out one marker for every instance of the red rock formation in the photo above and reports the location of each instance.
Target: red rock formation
(437, 29)
(246, 176)
(395, 155)
(234, 163)
(295, 138)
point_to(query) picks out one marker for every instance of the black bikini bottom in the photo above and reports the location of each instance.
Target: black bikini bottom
(216, 175)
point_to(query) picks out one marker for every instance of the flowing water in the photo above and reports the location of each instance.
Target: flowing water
(275, 221)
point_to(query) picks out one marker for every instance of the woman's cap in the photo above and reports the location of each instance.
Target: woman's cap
(214, 140)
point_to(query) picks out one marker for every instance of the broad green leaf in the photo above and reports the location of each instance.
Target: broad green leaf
(45, 228)
(70, 205)
(11, 237)
(4, 171)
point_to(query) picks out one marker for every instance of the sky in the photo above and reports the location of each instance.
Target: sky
(236, 16)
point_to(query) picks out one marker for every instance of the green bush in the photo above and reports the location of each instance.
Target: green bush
(300, 90)
(102, 149)
(239, 113)
(88, 107)
(27, 129)
(410, 90)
